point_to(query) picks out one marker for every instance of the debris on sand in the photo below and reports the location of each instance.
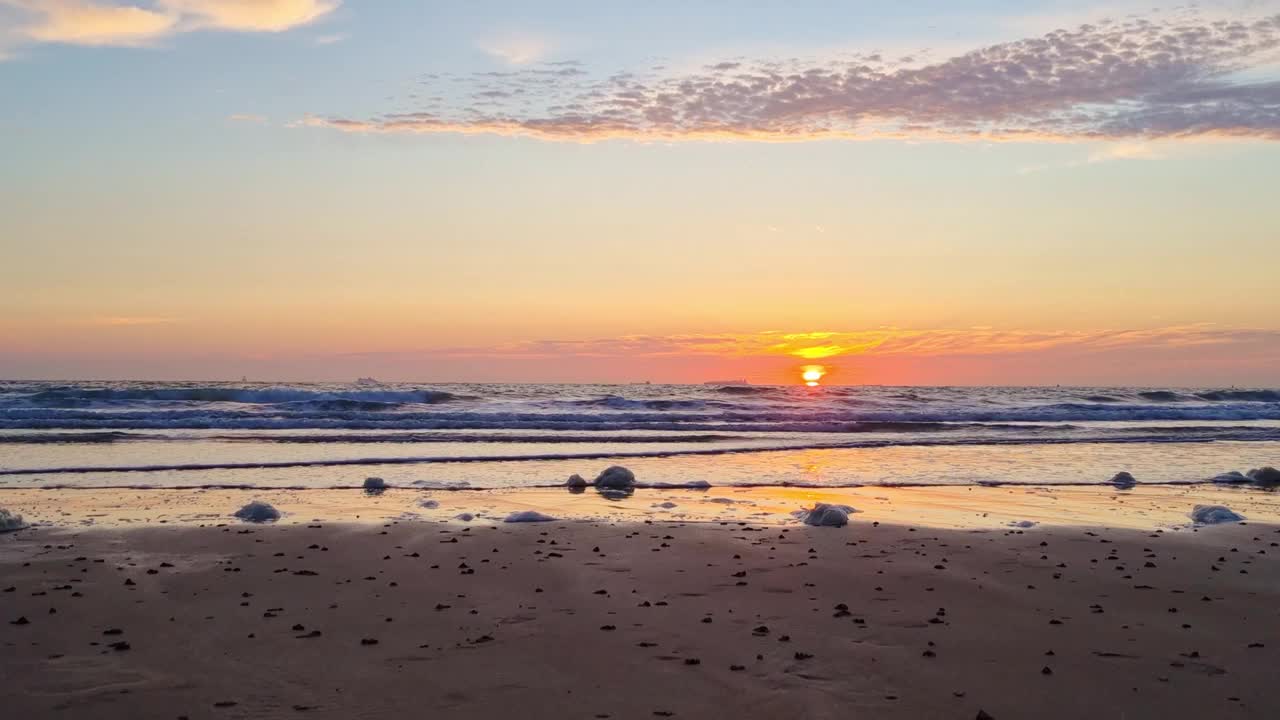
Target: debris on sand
(1214, 514)
(429, 504)
(576, 481)
(10, 521)
(1230, 477)
(528, 516)
(616, 477)
(258, 512)
(824, 515)
(374, 485)
(464, 517)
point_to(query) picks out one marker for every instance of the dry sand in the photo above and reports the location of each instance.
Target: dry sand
(639, 620)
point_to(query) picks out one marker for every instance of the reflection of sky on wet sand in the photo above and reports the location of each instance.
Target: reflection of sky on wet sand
(963, 465)
(976, 507)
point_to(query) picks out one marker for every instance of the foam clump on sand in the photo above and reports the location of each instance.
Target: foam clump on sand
(616, 477)
(464, 517)
(1123, 480)
(1214, 514)
(429, 504)
(10, 521)
(1264, 475)
(374, 485)
(258, 512)
(576, 481)
(824, 515)
(528, 516)
(1023, 524)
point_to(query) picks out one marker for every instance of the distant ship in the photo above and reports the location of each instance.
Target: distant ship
(726, 382)
(367, 381)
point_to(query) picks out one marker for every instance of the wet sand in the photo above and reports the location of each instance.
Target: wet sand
(635, 619)
(1145, 507)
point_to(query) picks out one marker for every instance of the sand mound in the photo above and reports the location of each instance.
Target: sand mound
(258, 512)
(1214, 514)
(10, 521)
(824, 515)
(528, 516)
(616, 477)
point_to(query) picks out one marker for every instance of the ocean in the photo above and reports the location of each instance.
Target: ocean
(334, 435)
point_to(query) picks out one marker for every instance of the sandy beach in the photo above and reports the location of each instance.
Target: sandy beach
(632, 618)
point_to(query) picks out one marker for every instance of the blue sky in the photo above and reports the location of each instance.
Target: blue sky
(192, 185)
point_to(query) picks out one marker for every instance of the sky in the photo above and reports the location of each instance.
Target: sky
(918, 192)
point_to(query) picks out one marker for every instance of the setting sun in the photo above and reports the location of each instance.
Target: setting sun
(811, 374)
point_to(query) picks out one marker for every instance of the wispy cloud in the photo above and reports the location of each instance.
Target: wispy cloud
(247, 118)
(84, 23)
(249, 15)
(887, 341)
(131, 321)
(1126, 151)
(100, 23)
(516, 48)
(332, 39)
(1164, 76)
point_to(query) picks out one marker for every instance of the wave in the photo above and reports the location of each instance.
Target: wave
(744, 390)
(1162, 396)
(763, 420)
(557, 438)
(1261, 396)
(616, 402)
(77, 437)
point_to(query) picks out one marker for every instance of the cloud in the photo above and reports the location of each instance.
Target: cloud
(86, 22)
(1125, 151)
(131, 321)
(890, 341)
(247, 118)
(250, 15)
(329, 39)
(1175, 76)
(516, 48)
(83, 23)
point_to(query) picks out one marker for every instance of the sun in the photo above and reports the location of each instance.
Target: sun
(811, 374)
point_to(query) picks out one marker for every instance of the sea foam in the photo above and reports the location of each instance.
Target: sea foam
(525, 516)
(10, 521)
(1214, 514)
(258, 512)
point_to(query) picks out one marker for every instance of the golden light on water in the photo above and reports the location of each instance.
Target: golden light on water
(812, 374)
